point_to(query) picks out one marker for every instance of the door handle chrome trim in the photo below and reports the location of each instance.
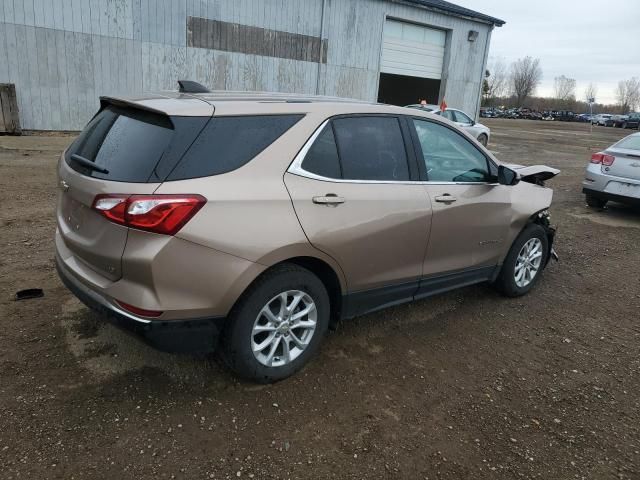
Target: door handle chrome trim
(446, 198)
(328, 199)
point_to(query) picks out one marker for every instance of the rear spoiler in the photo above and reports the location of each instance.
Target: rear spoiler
(119, 102)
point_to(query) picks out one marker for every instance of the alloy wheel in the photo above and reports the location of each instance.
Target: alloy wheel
(284, 328)
(528, 262)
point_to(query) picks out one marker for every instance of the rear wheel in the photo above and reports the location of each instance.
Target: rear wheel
(624, 125)
(277, 325)
(524, 263)
(596, 202)
(483, 139)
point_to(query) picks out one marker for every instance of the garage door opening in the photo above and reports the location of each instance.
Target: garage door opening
(411, 64)
(405, 90)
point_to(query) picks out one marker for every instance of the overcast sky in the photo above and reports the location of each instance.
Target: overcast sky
(589, 40)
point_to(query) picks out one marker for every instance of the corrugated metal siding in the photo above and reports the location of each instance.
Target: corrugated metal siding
(63, 54)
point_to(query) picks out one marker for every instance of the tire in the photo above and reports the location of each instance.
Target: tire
(506, 282)
(596, 202)
(237, 347)
(483, 139)
(624, 126)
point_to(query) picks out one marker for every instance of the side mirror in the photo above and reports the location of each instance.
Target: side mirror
(506, 176)
(473, 122)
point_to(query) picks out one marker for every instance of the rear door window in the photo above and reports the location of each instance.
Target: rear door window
(371, 148)
(227, 143)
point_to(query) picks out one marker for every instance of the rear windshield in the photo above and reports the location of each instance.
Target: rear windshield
(127, 144)
(132, 145)
(632, 142)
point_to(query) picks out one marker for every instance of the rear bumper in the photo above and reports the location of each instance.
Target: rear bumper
(612, 197)
(185, 336)
(600, 185)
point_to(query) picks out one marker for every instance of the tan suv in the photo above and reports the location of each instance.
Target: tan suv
(250, 222)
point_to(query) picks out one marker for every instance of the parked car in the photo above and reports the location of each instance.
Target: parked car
(477, 130)
(563, 115)
(487, 113)
(584, 117)
(619, 120)
(614, 174)
(602, 119)
(249, 222)
(633, 121)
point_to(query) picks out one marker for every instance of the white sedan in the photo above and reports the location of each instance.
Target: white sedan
(479, 131)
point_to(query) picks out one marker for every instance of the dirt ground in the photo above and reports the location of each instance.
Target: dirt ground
(466, 385)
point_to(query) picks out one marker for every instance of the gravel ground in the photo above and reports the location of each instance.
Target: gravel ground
(464, 385)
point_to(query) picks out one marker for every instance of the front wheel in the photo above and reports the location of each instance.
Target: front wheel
(483, 139)
(277, 326)
(525, 261)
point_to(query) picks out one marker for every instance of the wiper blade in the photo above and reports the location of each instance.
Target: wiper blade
(88, 163)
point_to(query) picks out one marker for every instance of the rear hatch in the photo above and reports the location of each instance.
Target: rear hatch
(627, 158)
(124, 149)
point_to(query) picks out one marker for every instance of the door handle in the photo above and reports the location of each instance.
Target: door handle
(446, 198)
(330, 199)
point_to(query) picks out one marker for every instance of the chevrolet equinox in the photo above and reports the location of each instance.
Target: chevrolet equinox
(248, 222)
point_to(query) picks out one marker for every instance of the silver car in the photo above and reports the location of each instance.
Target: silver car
(614, 174)
(480, 132)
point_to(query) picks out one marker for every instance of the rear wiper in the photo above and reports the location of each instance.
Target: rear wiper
(88, 163)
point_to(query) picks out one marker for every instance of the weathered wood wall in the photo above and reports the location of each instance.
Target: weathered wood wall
(9, 112)
(63, 54)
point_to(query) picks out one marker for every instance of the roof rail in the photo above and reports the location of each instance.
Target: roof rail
(189, 86)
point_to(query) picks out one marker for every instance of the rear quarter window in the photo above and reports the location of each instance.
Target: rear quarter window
(228, 143)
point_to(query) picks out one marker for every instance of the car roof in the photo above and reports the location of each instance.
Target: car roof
(175, 103)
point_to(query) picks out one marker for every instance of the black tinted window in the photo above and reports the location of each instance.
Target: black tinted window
(227, 143)
(448, 156)
(322, 157)
(128, 143)
(371, 148)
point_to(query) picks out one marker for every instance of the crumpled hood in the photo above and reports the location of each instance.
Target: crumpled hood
(533, 174)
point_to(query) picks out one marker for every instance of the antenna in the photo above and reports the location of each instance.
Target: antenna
(189, 86)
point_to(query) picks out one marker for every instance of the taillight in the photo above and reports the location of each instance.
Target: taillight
(603, 158)
(164, 214)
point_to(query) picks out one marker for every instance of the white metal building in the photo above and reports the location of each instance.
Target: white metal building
(63, 54)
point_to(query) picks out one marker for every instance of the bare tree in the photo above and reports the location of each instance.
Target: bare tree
(628, 94)
(590, 92)
(525, 77)
(497, 80)
(565, 88)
